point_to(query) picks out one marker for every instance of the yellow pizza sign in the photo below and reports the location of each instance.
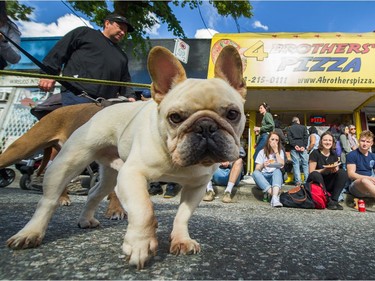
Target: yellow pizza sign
(320, 60)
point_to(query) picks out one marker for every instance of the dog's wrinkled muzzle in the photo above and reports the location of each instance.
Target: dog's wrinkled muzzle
(206, 142)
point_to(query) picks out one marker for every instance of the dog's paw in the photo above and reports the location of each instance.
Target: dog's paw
(88, 223)
(116, 214)
(185, 246)
(139, 251)
(64, 201)
(25, 240)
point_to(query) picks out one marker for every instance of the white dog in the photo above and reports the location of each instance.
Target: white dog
(179, 136)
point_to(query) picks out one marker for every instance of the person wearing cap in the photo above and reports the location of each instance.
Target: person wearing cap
(88, 53)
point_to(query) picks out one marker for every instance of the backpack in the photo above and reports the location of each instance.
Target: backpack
(318, 194)
(312, 195)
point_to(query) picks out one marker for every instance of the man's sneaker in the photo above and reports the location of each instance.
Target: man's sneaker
(172, 190)
(275, 202)
(210, 196)
(75, 188)
(155, 189)
(227, 198)
(36, 182)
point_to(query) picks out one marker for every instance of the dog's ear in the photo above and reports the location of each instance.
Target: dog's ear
(228, 66)
(165, 71)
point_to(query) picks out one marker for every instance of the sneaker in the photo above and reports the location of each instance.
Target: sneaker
(155, 189)
(75, 188)
(172, 190)
(266, 197)
(36, 183)
(210, 196)
(275, 202)
(334, 205)
(227, 198)
(339, 207)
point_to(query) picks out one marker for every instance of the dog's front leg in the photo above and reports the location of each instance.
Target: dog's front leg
(181, 243)
(140, 239)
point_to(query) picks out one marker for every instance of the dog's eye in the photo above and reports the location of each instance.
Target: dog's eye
(232, 115)
(175, 118)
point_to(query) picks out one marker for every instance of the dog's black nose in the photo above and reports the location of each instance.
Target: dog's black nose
(205, 127)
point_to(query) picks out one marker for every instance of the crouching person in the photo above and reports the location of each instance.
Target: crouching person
(229, 175)
(267, 175)
(360, 165)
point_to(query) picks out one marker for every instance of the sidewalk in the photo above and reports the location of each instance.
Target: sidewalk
(248, 240)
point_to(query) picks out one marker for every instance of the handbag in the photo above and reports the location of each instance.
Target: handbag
(297, 197)
(49, 105)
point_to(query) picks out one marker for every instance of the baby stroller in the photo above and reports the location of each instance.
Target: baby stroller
(27, 167)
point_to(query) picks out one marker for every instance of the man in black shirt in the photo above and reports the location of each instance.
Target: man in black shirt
(298, 139)
(88, 53)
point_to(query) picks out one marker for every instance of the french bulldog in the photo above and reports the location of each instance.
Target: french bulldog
(181, 135)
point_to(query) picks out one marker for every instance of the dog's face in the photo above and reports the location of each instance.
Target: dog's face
(202, 120)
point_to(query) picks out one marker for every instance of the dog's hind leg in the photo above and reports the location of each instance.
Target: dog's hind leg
(114, 210)
(106, 184)
(181, 243)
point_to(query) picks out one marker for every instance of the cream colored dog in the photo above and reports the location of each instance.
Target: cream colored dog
(179, 136)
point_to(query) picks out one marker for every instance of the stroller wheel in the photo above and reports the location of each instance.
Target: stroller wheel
(89, 182)
(7, 176)
(25, 181)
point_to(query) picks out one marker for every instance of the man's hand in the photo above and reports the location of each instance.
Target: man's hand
(46, 85)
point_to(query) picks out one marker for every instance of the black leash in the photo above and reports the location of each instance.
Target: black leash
(47, 69)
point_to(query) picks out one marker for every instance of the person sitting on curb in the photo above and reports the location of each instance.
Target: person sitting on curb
(171, 190)
(333, 178)
(228, 175)
(361, 164)
(267, 175)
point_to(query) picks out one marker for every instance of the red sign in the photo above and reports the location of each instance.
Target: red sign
(317, 119)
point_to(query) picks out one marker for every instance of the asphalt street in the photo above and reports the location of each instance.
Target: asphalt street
(246, 240)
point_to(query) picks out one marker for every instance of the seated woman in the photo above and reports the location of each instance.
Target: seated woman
(267, 174)
(323, 171)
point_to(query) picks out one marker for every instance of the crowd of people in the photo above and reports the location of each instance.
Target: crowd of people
(338, 163)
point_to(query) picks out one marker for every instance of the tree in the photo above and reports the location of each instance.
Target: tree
(144, 14)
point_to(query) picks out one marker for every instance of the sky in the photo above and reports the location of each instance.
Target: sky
(54, 18)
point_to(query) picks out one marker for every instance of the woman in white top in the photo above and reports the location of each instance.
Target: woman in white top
(314, 139)
(267, 174)
(8, 53)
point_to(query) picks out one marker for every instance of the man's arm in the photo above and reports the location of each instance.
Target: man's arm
(59, 55)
